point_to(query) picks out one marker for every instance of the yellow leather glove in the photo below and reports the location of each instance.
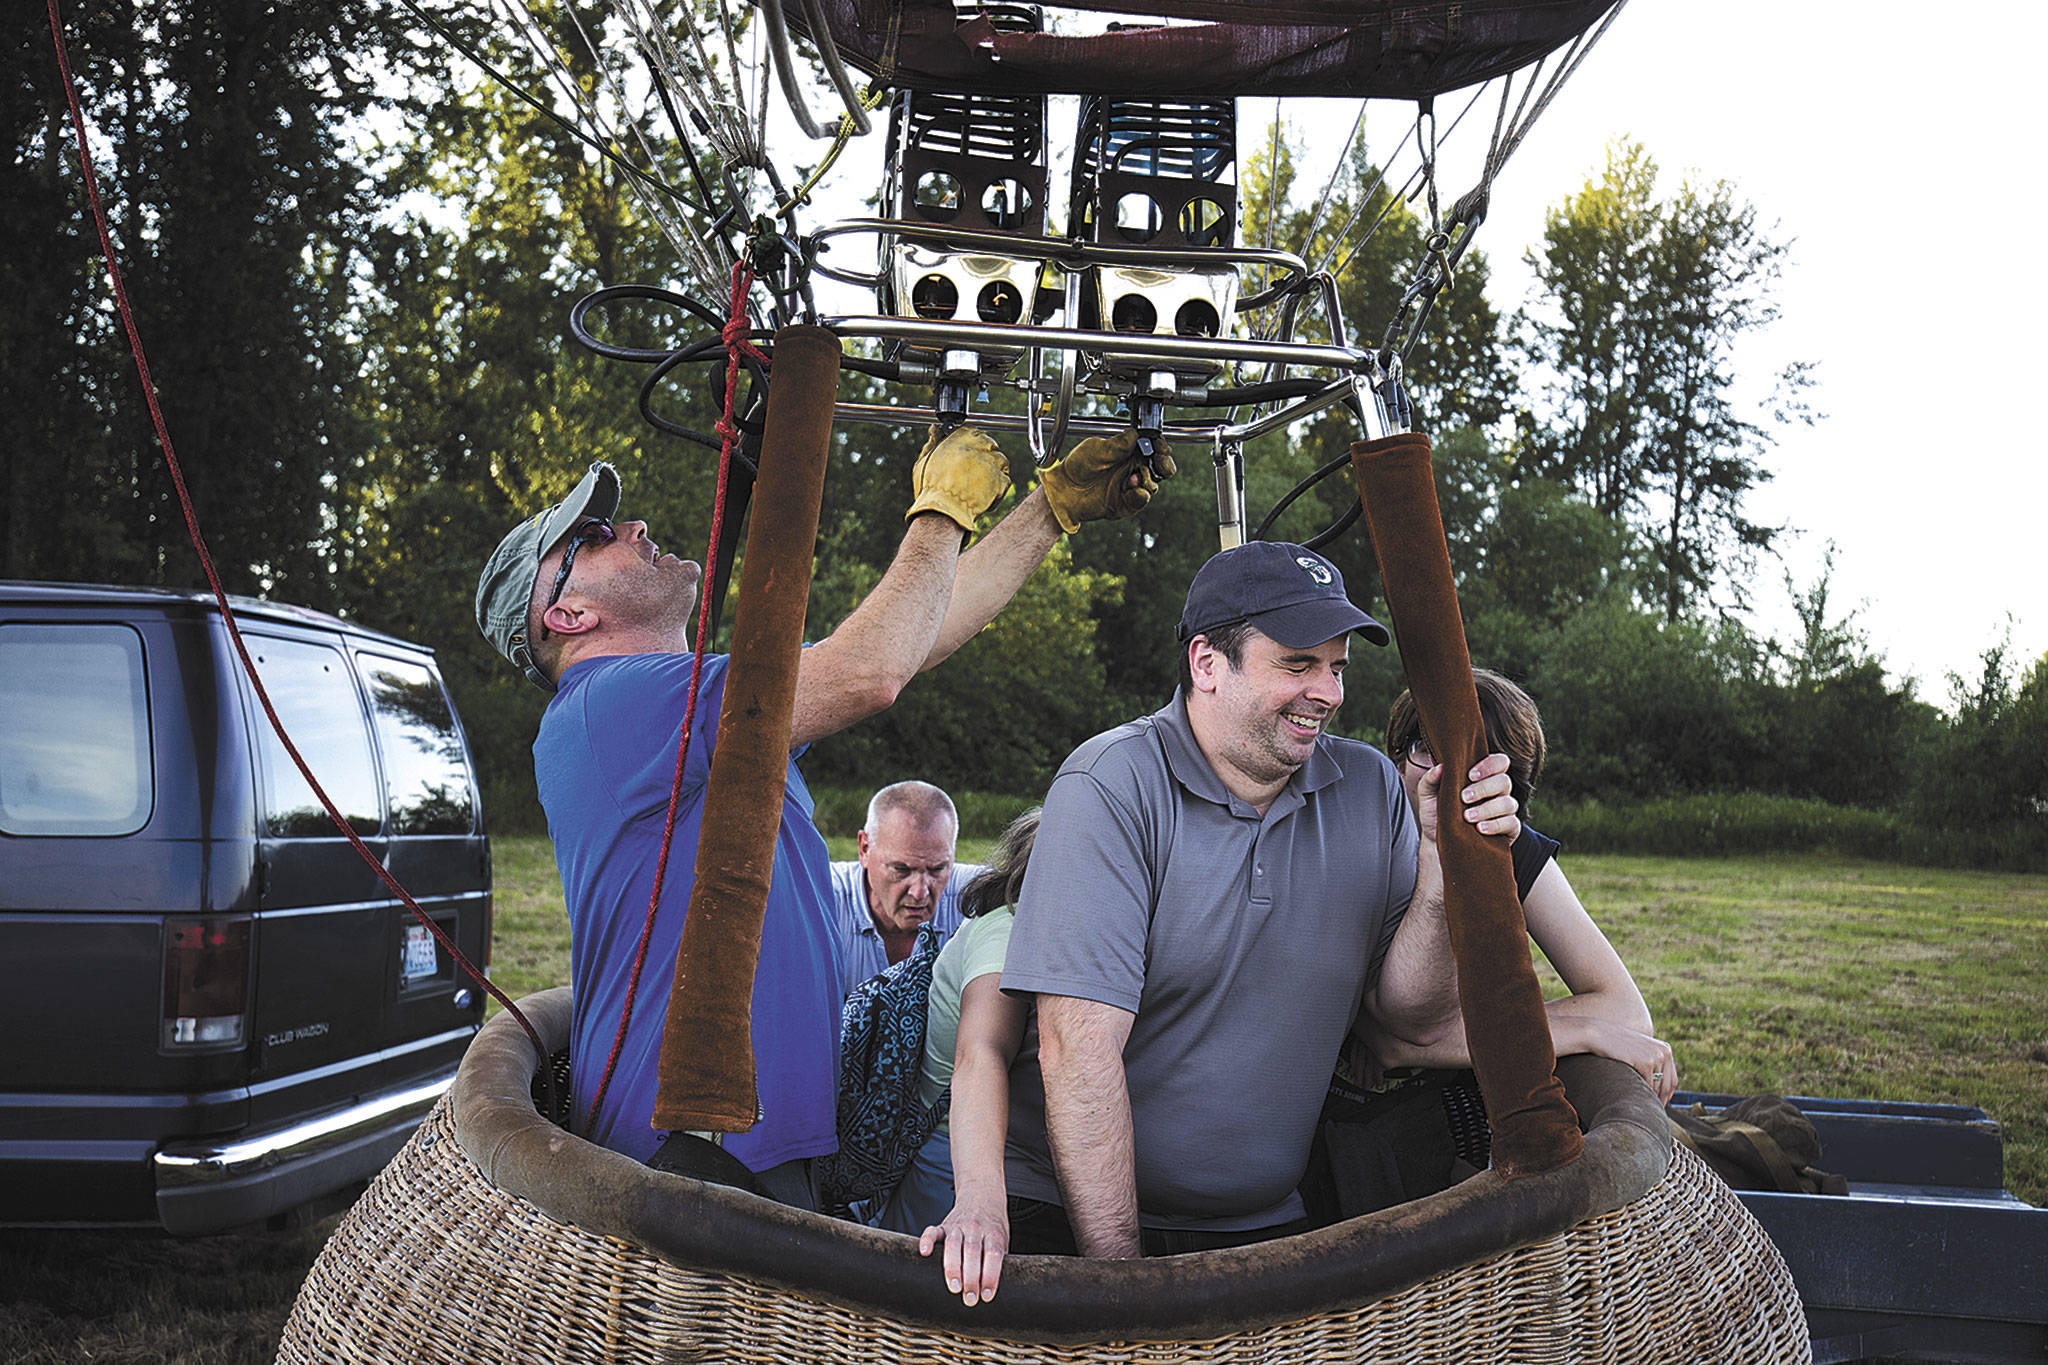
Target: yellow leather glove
(960, 474)
(1094, 483)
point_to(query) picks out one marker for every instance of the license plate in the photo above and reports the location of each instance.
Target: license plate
(417, 958)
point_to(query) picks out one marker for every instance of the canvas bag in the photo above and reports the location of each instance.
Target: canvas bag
(1759, 1143)
(881, 1124)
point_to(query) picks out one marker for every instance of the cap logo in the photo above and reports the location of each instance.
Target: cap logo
(1316, 569)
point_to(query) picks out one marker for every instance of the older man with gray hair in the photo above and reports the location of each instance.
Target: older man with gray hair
(903, 878)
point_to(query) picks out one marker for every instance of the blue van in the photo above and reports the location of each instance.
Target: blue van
(213, 1011)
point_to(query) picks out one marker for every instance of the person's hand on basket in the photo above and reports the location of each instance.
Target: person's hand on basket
(976, 1233)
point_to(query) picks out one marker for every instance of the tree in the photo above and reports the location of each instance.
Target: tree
(1985, 776)
(220, 136)
(475, 406)
(1633, 705)
(1540, 555)
(1643, 305)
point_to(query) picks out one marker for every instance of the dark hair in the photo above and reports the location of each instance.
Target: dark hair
(1513, 727)
(1227, 639)
(999, 883)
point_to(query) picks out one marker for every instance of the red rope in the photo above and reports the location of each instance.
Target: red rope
(734, 334)
(220, 596)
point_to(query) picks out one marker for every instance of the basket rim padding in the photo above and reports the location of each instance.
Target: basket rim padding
(1044, 1298)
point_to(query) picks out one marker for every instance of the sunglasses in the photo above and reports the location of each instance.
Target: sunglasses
(595, 531)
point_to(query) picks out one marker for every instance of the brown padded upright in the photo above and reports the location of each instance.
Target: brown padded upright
(707, 1051)
(1534, 1128)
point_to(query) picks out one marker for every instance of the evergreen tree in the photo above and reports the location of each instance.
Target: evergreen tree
(1643, 305)
(220, 136)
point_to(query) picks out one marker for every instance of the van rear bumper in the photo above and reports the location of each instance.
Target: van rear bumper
(204, 1186)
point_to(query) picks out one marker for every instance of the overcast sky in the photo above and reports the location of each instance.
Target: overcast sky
(1891, 143)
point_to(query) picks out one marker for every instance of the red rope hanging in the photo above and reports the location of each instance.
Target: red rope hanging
(734, 334)
(220, 596)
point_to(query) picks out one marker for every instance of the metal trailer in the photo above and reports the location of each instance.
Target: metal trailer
(1929, 1258)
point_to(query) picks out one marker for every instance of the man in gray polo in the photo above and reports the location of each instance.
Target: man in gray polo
(1216, 891)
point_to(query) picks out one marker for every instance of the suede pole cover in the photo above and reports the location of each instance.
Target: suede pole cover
(1534, 1128)
(706, 1076)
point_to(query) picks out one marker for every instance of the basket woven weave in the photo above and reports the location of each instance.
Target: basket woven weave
(437, 1264)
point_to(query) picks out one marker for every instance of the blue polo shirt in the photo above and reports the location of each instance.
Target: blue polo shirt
(605, 758)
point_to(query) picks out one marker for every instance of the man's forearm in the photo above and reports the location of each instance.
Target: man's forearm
(1088, 1122)
(859, 668)
(991, 571)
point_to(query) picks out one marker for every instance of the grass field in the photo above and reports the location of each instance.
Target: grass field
(1794, 974)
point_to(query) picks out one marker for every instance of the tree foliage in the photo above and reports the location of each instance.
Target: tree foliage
(220, 133)
(1643, 305)
(1987, 768)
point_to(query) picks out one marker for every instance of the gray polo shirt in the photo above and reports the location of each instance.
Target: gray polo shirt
(1243, 944)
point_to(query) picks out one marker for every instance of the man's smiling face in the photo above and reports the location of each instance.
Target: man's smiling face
(1271, 708)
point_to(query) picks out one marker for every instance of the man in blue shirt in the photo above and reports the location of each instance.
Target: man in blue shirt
(590, 609)
(903, 879)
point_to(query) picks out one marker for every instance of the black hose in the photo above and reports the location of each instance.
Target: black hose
(633, 354)
(1329, 533)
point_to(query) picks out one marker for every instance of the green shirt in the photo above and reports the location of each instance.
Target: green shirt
(976, 950)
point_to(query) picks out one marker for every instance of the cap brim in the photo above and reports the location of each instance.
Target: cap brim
(1308, 624)
(597, 495)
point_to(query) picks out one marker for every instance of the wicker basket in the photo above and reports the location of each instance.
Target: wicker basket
(438, 1262)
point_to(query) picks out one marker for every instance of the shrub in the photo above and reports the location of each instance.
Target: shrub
(1749, 822)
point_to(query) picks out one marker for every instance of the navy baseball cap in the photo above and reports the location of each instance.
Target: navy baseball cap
(1288, 592)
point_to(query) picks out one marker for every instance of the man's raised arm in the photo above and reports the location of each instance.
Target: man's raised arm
(859, 668)
(1415, 999)
(934, 598)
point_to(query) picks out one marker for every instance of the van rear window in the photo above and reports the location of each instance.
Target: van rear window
(426, 780)
(74, 730)
(316, 699)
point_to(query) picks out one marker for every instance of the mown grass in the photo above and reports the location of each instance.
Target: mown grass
(1799, 974)
(128, 1298)
(1815, 976)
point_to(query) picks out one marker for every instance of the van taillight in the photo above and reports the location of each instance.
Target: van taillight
(206, 983)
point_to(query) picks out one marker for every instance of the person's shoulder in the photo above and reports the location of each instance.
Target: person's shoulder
(637, 679)
(1129, 747)
(994, 925)
(1360, 759)
(1359, 772)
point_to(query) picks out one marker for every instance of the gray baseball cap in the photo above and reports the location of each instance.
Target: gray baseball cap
(1288, 592)
(504, 591)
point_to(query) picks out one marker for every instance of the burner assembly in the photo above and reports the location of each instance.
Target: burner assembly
(971, 168)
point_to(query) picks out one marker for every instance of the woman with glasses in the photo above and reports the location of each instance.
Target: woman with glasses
(1604, 1014)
